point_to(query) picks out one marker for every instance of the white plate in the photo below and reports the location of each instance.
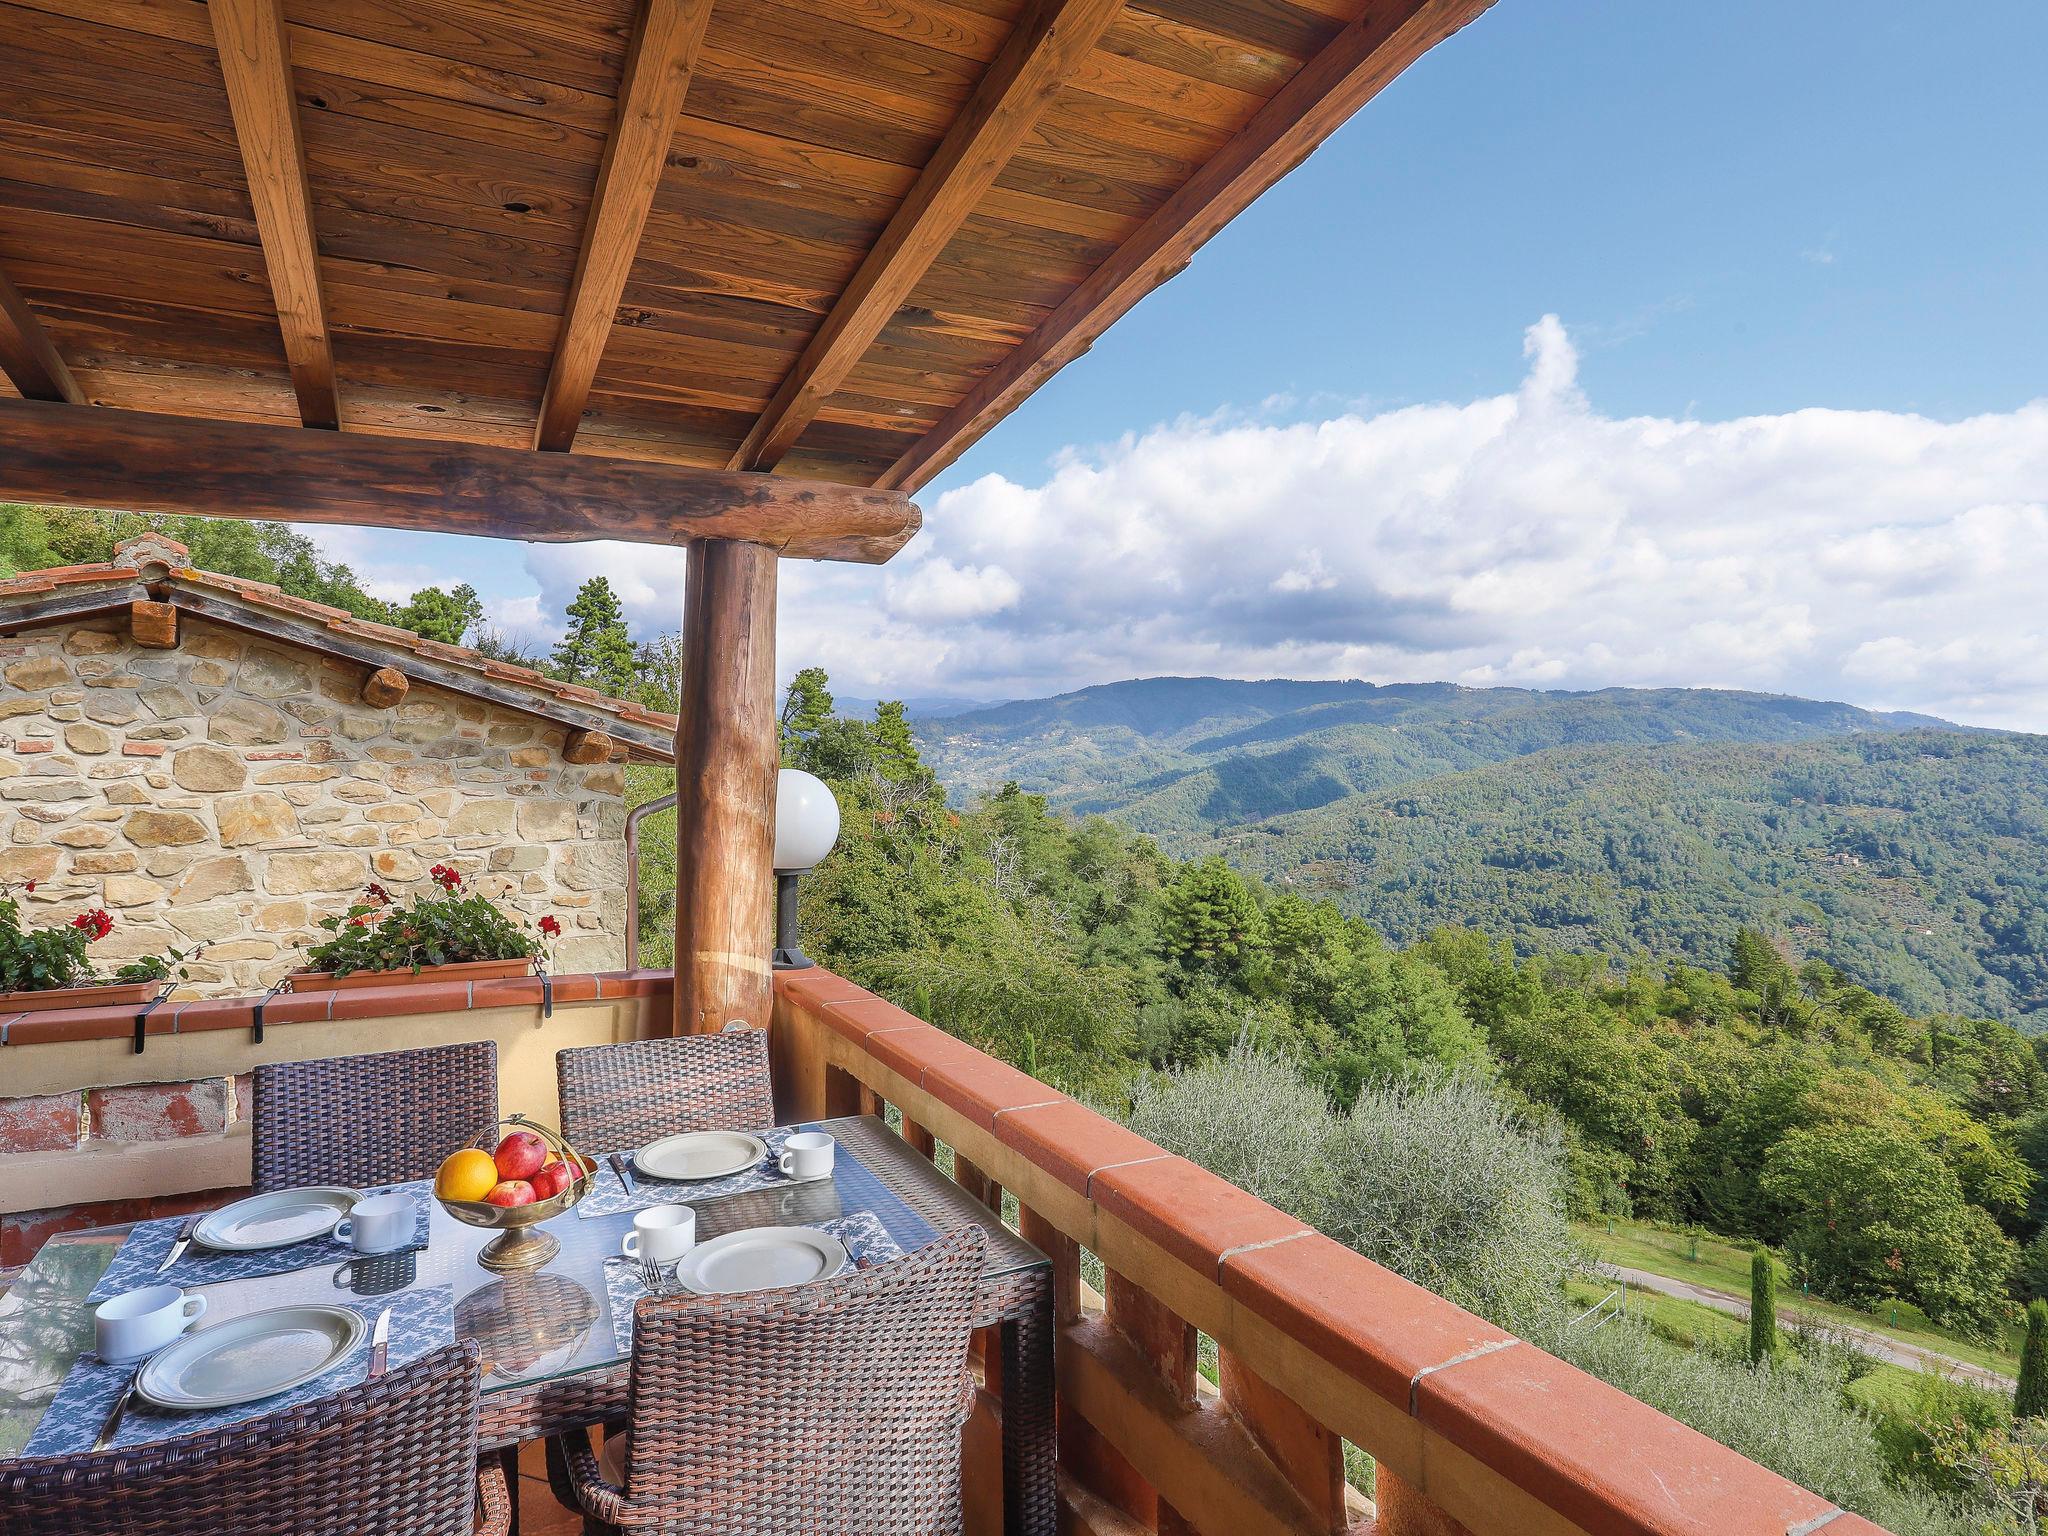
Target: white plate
(250, 1357)
(761, 1259)
(275, 1220)
(700, 1155)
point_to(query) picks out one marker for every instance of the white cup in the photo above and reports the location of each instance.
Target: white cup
(661, 1234)
(379, 1224)
(143, 1322)
(807, 1155)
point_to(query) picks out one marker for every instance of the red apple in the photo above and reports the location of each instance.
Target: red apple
(552, 1180)
(520, 1155)
(511, 1192)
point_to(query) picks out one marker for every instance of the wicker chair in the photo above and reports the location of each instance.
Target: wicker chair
(831, 1408)
(616, 1096)
(391, 1457)
(375, 1119)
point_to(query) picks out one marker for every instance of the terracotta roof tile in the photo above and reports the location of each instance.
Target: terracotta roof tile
(341, 621)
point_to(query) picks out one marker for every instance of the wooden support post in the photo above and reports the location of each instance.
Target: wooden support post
(726, 760)
(385, 687)
(153, 626)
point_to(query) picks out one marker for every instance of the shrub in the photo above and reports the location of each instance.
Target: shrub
(2031, 1398)
(49, 959)
(1763, 1307)
(446, 928)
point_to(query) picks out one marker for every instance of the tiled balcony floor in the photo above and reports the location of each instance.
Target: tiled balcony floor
(539, 1513)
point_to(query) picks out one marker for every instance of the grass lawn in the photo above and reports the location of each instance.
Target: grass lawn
(1724, 1265)
(1887, 1389)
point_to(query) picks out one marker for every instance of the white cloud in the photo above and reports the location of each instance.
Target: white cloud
(1522, 538)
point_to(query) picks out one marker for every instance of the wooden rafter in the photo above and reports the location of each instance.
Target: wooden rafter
(146, 462)
(1048, 45)
(27, 355)
(1349, 71)
(255, 59)
(658, 65)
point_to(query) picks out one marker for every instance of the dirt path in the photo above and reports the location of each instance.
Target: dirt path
(1881, 1346)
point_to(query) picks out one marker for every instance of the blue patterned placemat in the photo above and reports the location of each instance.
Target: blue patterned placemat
(867, 1242)
(608, 1197)
(421, 1321)
(145, 1246)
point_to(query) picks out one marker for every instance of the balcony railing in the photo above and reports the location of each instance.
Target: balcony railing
(1469, 1429)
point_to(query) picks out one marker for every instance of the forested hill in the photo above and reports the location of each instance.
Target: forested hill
(1177, 757)
(1655, 822)
(1918, 861)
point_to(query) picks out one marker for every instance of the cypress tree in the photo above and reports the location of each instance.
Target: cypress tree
(2031, 1398)
(1763, 1307)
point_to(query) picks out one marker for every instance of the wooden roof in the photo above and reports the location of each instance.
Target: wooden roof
(834, 238)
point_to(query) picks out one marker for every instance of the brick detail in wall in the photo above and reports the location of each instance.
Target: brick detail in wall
(157, 1111)
(22, 1235)
(50, 1123)
(231, 792)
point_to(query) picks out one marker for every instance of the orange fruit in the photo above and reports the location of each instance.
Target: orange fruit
(466, 1175)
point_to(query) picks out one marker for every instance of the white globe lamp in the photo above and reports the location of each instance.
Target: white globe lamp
(806, 827)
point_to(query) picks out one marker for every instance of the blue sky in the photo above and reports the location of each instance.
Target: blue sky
(1735, 211)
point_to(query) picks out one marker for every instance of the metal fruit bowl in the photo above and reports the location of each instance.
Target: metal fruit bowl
(518, 1246)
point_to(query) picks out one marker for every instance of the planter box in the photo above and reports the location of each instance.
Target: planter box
(116, 995)
(461, 970)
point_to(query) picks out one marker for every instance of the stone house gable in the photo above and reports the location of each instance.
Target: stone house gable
(231, 789)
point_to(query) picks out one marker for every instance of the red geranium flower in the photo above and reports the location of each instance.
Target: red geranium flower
(30, 886)
(551, 927)
(377, 893)
(96, 923)
(360, 921)
(444, 877)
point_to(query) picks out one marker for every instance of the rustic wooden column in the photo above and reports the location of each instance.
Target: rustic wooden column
(726, 759)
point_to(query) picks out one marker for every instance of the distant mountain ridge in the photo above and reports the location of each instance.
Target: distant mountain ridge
(1910, 851)
(1178, 756)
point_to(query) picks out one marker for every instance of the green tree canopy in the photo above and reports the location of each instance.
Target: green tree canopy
(597, 651)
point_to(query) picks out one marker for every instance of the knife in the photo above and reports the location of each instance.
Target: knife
(380, 1345)
(184, 1241)
(113, 1423)
(625, 1176)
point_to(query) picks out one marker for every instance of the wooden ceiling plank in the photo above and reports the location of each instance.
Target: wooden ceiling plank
(1349, 72)
(1051, 43)
(664, 51)
(79, 456)
(27, 355)
(255, 58)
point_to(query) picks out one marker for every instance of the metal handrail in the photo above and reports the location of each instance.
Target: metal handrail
(633, 816)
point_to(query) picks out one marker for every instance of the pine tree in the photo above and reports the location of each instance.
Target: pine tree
(1763, 1307)
(806, 707)
(2031, 1398)
(598, 649)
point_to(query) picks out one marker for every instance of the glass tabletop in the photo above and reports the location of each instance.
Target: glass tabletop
(536, 1325)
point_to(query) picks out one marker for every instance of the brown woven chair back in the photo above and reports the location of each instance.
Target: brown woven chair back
(616, 1096)
(374, 1119)
(391, 1457)
(831, 1408)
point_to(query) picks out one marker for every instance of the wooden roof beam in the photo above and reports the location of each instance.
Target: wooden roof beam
(1350, 70)
(147, 462)
(27, 355)
(255, 59)
(657, 74)
(1047, 46)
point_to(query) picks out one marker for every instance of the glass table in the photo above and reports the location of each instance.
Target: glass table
(550, 1358)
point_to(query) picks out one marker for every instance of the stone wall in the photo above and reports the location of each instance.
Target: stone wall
(232, 792)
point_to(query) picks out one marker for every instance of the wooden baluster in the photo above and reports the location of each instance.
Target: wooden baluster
(921, 1140)
(977, 1183)
(1168, 1342)
(1402, 1511)
(844, 1093)
(1065, 1254)
(1306, 1453)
